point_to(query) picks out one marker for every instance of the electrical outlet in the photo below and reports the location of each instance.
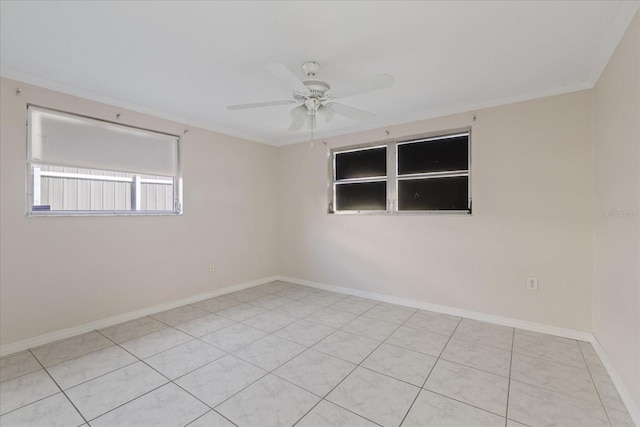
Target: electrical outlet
(211, 268)
(532, 284)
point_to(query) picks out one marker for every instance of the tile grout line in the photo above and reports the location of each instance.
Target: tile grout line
(323, 398)
(30, 350)
(464, 403)
(61, 390)
(209, 363)
(209, 411)
(142, 336)
(562, 394)
(506, 412)
(164, 322)
(288, 360)
(429, 374)
(305, 318)
(139, 360)
(246, 361)
(114, 345)
(564, 365)
(474, 368)
(169, 381)
(403, 324)
(271, 371)
(520, 381)
(357, 365)
(22, 375)
(211, 408)
(516, 351)
(127, 402)
(243, 324)
(31, 403)
(595, 386)
(105, 373)
(422, 353)
(201, 366)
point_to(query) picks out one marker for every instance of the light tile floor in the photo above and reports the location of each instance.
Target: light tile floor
(283, 355)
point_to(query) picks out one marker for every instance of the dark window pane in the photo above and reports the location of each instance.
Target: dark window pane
(439, 155)
(433, 194)
(362, 163)
(362, 196)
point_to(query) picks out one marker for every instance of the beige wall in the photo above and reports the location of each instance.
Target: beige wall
(532, 207)
(616, 148)
(61, 272)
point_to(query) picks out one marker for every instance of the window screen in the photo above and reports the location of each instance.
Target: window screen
(433, 174)
(428, 174)
(433, 194)
(360, 179)
(434, 155)
(84, 165)
(362, 196)
(361, 163)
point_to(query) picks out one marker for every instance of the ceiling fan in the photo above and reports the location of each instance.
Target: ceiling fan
(314, 96)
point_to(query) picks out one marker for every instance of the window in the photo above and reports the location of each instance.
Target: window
(80, 165)
(428, 174)
(361, 179)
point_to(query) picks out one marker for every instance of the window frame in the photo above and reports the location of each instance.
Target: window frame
(393, 178)
(178, 207)
(381, 178)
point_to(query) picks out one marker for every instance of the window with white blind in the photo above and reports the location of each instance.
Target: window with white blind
(429, 174)
(81, 165)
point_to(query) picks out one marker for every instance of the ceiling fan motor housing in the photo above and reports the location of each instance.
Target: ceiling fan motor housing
(317, 88)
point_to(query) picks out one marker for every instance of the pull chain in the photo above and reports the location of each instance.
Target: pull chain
(313, 122)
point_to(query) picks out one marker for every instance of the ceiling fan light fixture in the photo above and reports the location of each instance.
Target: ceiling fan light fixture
(312, 105)
(310, 68)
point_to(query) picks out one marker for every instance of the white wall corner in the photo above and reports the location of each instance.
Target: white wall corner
(114, 320)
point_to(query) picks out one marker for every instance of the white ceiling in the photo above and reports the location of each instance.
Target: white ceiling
(188, 60)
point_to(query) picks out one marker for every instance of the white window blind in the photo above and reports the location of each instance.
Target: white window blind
(79, 165)
(63, 139)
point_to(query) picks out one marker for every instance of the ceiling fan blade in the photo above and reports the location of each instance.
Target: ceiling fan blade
(259, 104)
(367, 84)
(286, 75)
(329, 114)
(352, 112)
(299, 116)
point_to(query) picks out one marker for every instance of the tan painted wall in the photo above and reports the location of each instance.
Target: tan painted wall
(532, 208)
(61, 272)
(616, 290)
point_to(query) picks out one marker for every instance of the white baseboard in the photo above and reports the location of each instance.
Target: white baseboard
(475, 315)
(114, 320)
(505, 321)
(633, 410)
